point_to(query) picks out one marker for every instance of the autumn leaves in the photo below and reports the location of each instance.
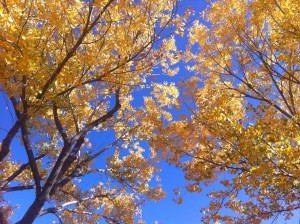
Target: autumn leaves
(72, 70)
(245, 118)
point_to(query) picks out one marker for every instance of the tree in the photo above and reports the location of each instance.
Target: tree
(243, 130)
(68, 72)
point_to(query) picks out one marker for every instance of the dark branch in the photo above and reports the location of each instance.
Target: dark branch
(18, 188)
(58, 124)
(48, 210)
(32, 161)
(10, 135)
(100, 120)
(18, 172)
(26, 139)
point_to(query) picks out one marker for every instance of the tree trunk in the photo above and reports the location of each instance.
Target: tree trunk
(2, 219)
(33, 211)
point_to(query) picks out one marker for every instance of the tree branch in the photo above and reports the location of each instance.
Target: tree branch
(32, 161)
(58, 124)
(25, 138)
(100, 120)
(10, 135)
(70, 54)
(77, 170)
(18, 172)
(18, 188)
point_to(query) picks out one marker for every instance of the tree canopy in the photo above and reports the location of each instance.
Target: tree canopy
(68, 71)
(243, 128)
(79, 80)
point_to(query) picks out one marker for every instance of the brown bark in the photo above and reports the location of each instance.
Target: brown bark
(33, 211)
(10, 135)
(2, 219)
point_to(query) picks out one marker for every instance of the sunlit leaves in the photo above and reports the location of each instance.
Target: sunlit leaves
(70, 70)
(243, 103)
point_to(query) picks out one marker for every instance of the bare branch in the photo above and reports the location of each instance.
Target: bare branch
(10, 135)
(25, 138)
(18, 188)
(58, 123)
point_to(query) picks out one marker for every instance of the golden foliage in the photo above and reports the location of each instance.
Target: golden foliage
(69, 69)
(243, 130)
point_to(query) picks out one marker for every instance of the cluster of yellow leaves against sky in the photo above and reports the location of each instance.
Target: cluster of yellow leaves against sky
(245, 120)
(114, 202)
(51, 29)
(117, 52)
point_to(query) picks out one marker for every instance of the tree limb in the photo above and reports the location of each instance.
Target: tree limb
(10, 135)
(18, 172)
(26, 139)
(88, 27)
(18, 188)
(100, 120)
